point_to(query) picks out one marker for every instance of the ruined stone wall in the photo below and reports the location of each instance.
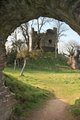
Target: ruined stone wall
(48, 40)
(6, 97)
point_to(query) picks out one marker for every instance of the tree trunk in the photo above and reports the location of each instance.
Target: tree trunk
(69, 62)
(72, 61)
(74, 64)
(56, 52)
(14, 64)
(30, 40)
(24, 65)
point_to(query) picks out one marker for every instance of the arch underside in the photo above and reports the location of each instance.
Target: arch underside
(15, 12)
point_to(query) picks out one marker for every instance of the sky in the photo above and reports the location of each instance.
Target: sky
(70, 34)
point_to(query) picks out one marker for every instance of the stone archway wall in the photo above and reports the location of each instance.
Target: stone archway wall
(7, 100)
(15, 12)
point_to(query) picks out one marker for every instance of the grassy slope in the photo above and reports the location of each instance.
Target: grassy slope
(43, 77)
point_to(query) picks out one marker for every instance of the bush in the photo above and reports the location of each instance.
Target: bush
(11, 57)
(75, 109)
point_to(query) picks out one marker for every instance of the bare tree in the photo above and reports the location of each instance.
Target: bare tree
(24, 29)
(40, 23)
(71, 46)
(27, 33)
(20, 46)
(72, 49)
(60, 32)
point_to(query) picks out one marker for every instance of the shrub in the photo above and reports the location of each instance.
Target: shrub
(75, 109)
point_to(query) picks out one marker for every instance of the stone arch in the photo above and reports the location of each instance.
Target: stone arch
(15, 12)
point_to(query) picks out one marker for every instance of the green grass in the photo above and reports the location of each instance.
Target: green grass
(75, 109)
(27, 95)
(43, 78)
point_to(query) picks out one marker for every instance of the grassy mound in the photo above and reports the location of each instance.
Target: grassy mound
(75, 108)
(44, 77)
(27, 96)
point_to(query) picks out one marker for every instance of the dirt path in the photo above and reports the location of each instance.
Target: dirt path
(55, 109)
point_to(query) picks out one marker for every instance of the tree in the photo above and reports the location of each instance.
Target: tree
(27, 31)
(73, 52)
(23, 53)
(20, 46)
(24, 28)
(60, 32)
(27, 36)
(40, 23)
(70, 47)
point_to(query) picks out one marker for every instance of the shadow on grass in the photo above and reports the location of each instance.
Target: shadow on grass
(28, 97)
